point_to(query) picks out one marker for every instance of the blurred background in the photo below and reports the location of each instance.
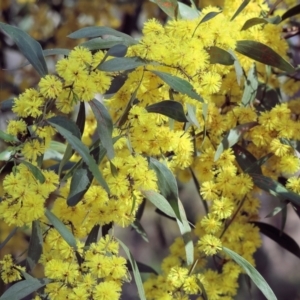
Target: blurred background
(49, 22)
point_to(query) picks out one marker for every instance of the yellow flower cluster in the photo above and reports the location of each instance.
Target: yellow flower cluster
(95, 272)
(25, 197)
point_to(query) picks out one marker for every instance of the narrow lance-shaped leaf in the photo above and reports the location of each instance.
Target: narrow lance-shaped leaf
(29, 47)
(93, 235)
(78, 146)
(275, 188)
(61, 228)
(246, 160)
(24, 288)
(169, 7)
(258, 21)
(167, 184)
(178, 84)
(11, 234)
(291, 12)
(251, 85)
(106, 43)
(240, 9)
(186, 12)
(121, 64)
(142, 268)
(220, 56)
(104, 126)
(169, 108)
(162, 204)
(232, 138)
(252, 273)
(8, 137)
(82, 179)
(237, 66)
(35, 245)
(118, 50)
(206, 18)
(137, 226)
(135, 270)
(36, 172)
(281, 238)
(96, 31)
(264, 54)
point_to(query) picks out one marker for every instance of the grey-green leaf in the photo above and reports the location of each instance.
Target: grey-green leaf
(61, 228)
(24, 288)
(107, 43)
(36, 172)
(251, 85)
(232, 137)
(121, 64)
(252, 273)
(96, 31)
(291, 12)
(178, 84)
(8, 137)
(240, 9)
(104, 126)
(35, 248)
(29, 47)
(169, 108)
(135, 270)
(264, 54)
(83, 151)
(257, 21)
(220, 56)
(118, 50)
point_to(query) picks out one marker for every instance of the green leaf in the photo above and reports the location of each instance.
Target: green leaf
(35, 248)
(264, 54)
(93, 235)
(8, 137)
(186, 12)
(252, 273)
(135, 270)
(79, 184)
(240, 9)
(169, 7)
(281, 238)
(277, 209)
(275, 188)
(178, 84)
(56, 51)
(209, 16)
(36, 172)
(232, 137)
(96, 31)
(77, 130)
(167, 184)
(78, 146)
(220, 56)
(104, 126)
(29, 47)
(206, 18)
(121, 64)
(191, 116)
(137, 226)
(61, 228)
(118, 50)
(11, 234)
(237, 66)
(257, 21)
(24, 288)
(291, 12)
(107, 43)
(67, 124)
(142, 268)
(251, 85)
(162, 204)
(246, 160)
(169, 108)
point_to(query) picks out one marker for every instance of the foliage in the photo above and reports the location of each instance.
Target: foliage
(181, 101)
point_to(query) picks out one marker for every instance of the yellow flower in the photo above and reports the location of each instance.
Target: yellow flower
(211, 224)
(107, 290)
(32, 149)
(222, 208)
(50, 86)
(81, 55)
(211, 82)
(16, 127)
(209, 244)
